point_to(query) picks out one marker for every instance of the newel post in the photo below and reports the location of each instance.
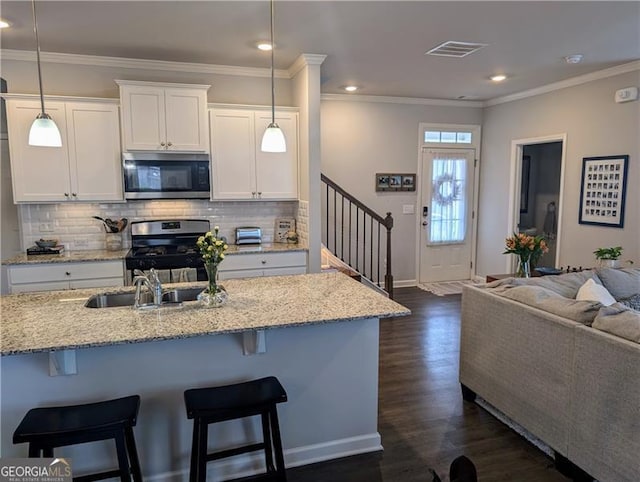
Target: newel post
(388, 277)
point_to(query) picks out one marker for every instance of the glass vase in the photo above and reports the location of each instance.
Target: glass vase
(524, 267)
(214, 295)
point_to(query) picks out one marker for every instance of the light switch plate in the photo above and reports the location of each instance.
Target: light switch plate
(408, 209)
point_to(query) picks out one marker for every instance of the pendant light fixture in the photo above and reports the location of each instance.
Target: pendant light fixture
(44, 131)
(273, 137)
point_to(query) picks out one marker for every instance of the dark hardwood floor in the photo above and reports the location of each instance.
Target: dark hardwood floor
(422, 419)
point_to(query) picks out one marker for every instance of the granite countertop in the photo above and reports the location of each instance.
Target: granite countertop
(104, 255)
(56, 320)
(67, 257)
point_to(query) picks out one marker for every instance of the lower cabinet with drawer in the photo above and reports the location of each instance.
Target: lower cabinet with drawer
(64, 276)
(263, 264)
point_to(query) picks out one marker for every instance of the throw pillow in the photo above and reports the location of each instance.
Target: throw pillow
(632, 302)
(621, 283)
(590, 291)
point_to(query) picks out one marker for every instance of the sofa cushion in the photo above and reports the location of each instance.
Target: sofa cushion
(621, 283)
(619, 320)
(547, 300)
(590, 291)
(566, 285)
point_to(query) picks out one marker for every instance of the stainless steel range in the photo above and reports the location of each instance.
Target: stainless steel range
(166, 245)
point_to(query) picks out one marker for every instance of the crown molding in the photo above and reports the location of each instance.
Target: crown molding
(303, 60)
(144, 83)
(563, 84)
(59, 98)
(141, 64)
(401, 100)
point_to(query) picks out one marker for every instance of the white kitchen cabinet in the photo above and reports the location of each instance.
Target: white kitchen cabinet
(252, 265)
(164, 117)
(86, 168)
(240, 169)
(61, 276)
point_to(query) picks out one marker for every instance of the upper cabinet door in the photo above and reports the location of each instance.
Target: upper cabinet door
(164, 117)
(94, 151)
(233, 154)
(186, 118)
(143, 118)
(277, 173)
(38, 173)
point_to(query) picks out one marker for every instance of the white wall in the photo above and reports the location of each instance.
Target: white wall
(362, 138)
(595, 126)
(94, 81)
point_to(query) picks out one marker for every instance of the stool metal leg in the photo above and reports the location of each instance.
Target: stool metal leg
(193, 469)
(123, 461)
(47, 452)
(133, 454)
(277, 444)
(34, 450)
(202, 451)
(266, 436)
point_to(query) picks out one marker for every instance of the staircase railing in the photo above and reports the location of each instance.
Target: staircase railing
(353, 232)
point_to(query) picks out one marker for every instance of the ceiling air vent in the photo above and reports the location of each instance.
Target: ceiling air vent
(455, 49)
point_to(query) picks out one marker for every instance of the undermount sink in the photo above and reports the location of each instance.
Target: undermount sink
(169, 298)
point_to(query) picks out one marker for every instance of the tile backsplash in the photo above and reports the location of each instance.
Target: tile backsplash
(74, 227)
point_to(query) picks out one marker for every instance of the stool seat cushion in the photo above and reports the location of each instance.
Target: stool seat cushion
(246, 395)
(72, 419)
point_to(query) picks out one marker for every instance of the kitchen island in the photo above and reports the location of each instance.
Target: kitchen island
(321, 342)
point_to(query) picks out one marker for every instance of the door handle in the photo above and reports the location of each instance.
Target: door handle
(424, 223)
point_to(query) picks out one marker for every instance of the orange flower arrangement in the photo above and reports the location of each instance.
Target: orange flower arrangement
(527, 248)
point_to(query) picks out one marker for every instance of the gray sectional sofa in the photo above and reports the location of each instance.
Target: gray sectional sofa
(567, 371)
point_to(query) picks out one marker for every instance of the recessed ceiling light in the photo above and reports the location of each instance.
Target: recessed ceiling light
(264, 46)
(351, 88)
(498, 78)
(4, 23)
(574, 59)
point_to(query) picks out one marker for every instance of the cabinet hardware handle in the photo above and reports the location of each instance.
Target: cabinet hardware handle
(169, 144)
(74, 194)
(259, 194)
(264, 261)
(253, 194)
(66, 194)
(67, 273)
(162, 144)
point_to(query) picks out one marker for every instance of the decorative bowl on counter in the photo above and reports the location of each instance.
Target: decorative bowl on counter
(47, 243)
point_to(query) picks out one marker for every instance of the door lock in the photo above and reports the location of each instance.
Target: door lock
(425, 211)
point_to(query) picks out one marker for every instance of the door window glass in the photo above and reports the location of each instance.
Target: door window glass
(448, 199)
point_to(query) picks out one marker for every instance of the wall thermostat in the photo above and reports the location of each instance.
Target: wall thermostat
(626, 95)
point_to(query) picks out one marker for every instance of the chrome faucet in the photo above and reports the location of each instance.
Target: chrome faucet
(152, 282)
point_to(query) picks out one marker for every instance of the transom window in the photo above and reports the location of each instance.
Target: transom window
(447, 137)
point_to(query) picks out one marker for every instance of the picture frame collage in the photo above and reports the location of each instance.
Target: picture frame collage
(603, 190)
(395, 182)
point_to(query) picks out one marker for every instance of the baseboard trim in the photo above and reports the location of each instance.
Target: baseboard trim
(405, 283)
(251, 464)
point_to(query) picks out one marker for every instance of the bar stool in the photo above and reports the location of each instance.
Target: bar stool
(50, 427)
(217, 404)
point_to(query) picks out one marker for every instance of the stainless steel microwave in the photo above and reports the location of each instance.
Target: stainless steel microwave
(150, 175)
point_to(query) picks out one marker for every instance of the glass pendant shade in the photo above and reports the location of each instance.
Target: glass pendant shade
(44, 132)
(273, 139)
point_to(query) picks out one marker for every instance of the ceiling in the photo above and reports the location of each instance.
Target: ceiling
(377, 45)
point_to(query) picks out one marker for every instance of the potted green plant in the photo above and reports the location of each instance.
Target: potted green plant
(608, 257)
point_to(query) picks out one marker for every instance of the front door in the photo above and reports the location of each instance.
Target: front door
(446, 214)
